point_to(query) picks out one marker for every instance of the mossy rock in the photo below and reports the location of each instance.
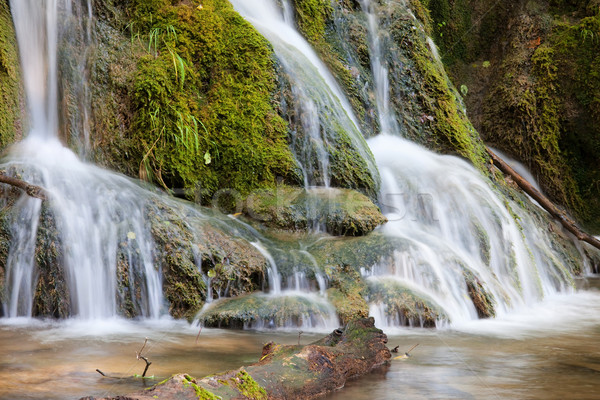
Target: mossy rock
(404, 306)
(428, 108)
(193, 247)
(357, 252)
(12, 98)
(482, 299)
(9, 197)
(340, 211)
(348, 293)
(259, 310)
(194, 112)
(52, 297)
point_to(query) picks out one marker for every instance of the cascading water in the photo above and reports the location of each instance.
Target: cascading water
(450, 229)
(319, 101)
(97, 213)
(101, 222)
(387, 117)
(451, 225)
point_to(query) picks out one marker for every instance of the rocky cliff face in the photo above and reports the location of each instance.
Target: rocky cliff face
(530, 69)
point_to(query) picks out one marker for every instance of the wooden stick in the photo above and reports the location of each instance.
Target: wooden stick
(31, 190)
(139, 356)
(148, 363)
(546, 204)
(198, 336)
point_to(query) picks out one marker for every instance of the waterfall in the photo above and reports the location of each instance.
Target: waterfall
(98, 214)
(36, 25)
(452, 230)
(451, 223)
(386, 114)
(319, 101)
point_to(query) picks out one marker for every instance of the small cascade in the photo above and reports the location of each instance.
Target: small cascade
(97, 216)
(387, 117)
(274, 277)
(456, 232)
(323, 111)
(292, 304)
(460, 248)
(36, 25)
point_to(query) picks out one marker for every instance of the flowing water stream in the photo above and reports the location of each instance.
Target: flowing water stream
(446, 220)
(549, 351)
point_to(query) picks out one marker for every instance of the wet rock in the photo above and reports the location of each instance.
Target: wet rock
(341, 212)
(192, 247)
(51, 298)
(404, 306)
(260, 310)
(287, 372)
(347, 293)
(483, 300)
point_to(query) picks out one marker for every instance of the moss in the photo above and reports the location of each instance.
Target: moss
(538, 109)
(428, 108)
(347, 293)
(51, 297)
(183, 286)
(482, 299)
(202, 393)
(312, 17)
(403, 305)
(248, 387)
(258, 310)
(205, 115)
(451, 22)
(5, 238)
(11, 96)
(333, 30)
(575, 49)
(186, 98)
(340, 211)
(451, 127)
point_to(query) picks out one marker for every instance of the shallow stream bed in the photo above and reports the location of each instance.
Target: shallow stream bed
(549, 351)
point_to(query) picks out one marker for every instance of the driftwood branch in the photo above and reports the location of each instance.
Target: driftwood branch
(31, 190)
(140, 357)
(528, 188)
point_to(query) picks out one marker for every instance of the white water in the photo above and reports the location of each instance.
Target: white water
(97, 213)
(36, 25)
(387, 117)
(444, 213)
(450, 221)
(319, 101)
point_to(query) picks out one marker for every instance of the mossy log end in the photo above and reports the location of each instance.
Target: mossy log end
(286, 372)
(31, 190)
(543, 201)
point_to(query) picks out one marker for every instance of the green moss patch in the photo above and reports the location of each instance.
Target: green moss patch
(340, 211)
(11, 96)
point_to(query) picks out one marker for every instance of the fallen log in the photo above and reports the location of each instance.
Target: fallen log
(543, 201)
(31, 190)
(286, 372)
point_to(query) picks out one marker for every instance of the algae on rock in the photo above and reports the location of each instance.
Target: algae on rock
(339, 211)
(12, 97)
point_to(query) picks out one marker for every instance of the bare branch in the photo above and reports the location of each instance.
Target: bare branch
(528, 188)
(31, 190)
